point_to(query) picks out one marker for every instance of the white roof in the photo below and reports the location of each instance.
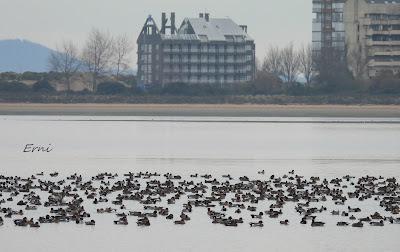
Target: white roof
(216, 29)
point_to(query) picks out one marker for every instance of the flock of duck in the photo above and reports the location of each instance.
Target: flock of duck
(143, 197)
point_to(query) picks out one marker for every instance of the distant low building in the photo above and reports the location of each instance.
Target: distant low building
(203, 50)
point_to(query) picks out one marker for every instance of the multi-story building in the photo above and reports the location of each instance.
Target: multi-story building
(203, 50)
(372, 36)
(328, 31)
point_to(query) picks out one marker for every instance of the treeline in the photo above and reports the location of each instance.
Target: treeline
(102, 55)
(101, 67)
(296, 71)
(264, 84)
(28, 82)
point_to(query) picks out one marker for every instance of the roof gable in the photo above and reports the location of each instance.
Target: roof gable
(216, 29)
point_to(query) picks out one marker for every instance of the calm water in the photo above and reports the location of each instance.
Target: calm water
(238, 146)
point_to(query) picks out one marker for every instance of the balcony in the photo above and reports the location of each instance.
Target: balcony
(389, 53)
(371, 32)
(373, 63)
(382, 43)
(381, 22)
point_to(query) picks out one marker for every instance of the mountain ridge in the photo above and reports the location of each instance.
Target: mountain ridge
(21, 55)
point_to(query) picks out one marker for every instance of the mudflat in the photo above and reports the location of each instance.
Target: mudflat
(228, 110)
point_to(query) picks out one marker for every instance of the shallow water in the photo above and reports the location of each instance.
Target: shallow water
(183, 145)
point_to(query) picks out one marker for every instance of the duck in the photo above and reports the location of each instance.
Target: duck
(143, 222)
(90, 223)
(230, 223)
(353, 210)
(366, 219)
(54, 174)
(394, 221)
(179, 222)
(358, 224)
(257, 216)
(335, 212)
(30, 208)
(285, 222)
(377, 224)
(35, 225)
(342, 224)
(121, 221)
(252, 208)
(376, 216)
(21, 222)
(317, 223)
(257, 224)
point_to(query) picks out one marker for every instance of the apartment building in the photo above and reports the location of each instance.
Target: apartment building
(372, 36)
(328, 31)
(203, 50)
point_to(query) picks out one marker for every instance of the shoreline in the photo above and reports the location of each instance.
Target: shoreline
(198, 110)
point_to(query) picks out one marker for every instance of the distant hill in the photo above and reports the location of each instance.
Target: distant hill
(22, 55)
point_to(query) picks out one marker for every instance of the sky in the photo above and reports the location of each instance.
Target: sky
(48, 22)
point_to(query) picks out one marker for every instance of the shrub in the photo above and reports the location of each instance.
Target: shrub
(43, 86)
(189, 90)
(386, 83)
(33, 76)
(10, 76)
(13, 86)
(266, 83)
(129, 80)
(111, 88)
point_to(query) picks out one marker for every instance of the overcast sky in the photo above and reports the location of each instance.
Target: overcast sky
(270, 22)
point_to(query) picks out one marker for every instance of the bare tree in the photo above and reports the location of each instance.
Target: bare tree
(306, 62)
(273, 62)
(98, 54)
(122, 49)
(357, 63)
(65, 61)
(290, 63)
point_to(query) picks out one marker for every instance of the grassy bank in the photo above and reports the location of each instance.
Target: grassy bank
(205, 110)
(65, 98)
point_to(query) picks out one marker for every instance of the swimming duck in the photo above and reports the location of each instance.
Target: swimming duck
(121, 221)
(90, 223)
(357, 224)
(143, 222)
(377, 224)
(335, 212)
(179, 222)
(34, 225)
(257, 224)
(317, 223)
(376, 216)
(257, 216)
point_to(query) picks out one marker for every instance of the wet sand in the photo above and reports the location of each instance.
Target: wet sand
(227, 110)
